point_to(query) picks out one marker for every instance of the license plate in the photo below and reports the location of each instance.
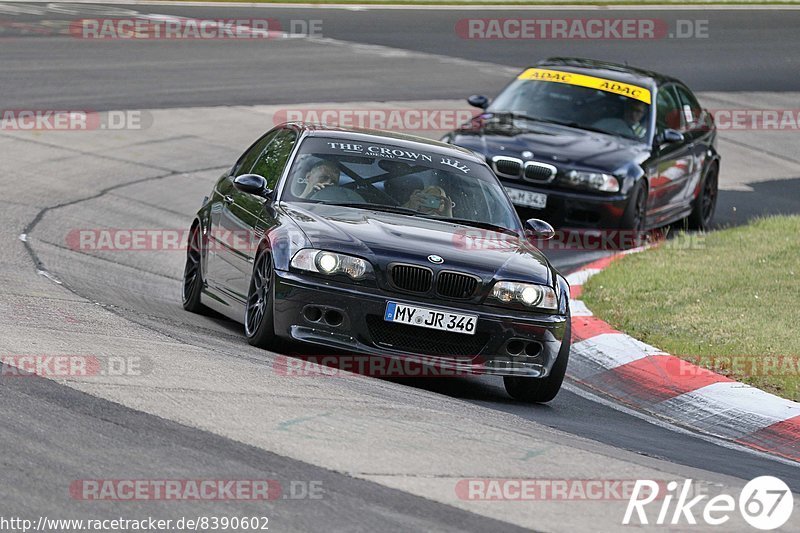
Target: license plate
(536, 200)
(430, 318)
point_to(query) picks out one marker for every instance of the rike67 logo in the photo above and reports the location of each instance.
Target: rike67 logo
(765, 503)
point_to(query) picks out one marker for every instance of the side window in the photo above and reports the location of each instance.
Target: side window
(272, 161)
(668, 112)
(248, 159)
(690, 107)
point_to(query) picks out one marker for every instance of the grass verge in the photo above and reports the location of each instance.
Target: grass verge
(730, 303)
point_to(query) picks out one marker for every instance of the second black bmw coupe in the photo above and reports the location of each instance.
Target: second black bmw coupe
(385, 245)
(583, 143)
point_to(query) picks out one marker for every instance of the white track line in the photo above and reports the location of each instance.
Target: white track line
(729, 409)
(612, 350)
(581, 277)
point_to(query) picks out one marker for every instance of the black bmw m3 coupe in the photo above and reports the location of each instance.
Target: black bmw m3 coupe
(583, 143)
(381, 244)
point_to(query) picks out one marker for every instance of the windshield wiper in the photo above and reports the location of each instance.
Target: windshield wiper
(581, 127)
(522, 116)
(407, 211)
(572, 124)
(376, 207)
(474, 223)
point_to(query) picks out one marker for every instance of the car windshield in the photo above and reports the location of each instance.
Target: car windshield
(576, 106)
(409, 181)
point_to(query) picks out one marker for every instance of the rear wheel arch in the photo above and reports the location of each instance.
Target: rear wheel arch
(198, 223)
(193, 280)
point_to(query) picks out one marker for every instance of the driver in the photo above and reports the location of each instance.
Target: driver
(322, 174)
(630, 124)
(431, 200)
(634, 112)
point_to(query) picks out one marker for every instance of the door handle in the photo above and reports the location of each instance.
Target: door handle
(228, 199)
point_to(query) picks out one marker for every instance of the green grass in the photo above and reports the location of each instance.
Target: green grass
(731, 303)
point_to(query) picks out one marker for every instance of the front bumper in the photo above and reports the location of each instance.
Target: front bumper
(573, 209)
(362, 329)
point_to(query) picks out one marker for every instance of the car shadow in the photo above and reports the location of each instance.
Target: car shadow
(479, 387)
(464, 388)
(776, 197)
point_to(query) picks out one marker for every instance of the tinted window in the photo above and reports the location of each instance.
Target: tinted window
(576, 106)
(668, 112)
(690, 107)
(247, 159)
(272, 161)
(418, 181)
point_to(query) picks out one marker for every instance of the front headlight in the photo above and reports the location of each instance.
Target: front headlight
(528, 294)
(331, 263)
(593, 180)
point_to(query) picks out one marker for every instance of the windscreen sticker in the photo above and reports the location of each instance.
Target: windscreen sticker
(455, 163)
(385, 152)
(399, 154)
(582, 80)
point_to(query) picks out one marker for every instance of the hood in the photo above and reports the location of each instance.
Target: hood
(388, 237)
(562, 146)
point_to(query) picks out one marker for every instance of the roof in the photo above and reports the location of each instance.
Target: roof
(388, 137)
(612, 71)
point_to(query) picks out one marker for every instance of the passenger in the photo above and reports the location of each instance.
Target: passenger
(431, 200)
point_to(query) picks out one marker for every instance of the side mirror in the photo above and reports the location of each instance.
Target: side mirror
(670, 136)
(252, 184)
(540, 229)
(478, 100)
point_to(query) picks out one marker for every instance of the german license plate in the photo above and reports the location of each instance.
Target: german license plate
(430, 318)
(536, 200)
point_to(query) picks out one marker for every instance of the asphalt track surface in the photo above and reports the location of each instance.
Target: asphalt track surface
(749, 50)
(61, 434)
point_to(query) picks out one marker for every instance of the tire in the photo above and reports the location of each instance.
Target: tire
(635, 216)
(542, 390)
(193, 273)
(259, 325)
(706, 202)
